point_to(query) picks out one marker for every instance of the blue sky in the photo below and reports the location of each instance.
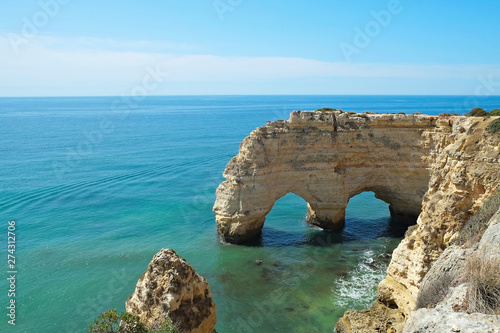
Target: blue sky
(183, 47)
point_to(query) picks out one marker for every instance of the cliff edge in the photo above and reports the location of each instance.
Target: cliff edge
(464, 175)
(439, 169)
(326, 158)
(461, 291)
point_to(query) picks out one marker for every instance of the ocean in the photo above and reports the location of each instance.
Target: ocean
(98, 185)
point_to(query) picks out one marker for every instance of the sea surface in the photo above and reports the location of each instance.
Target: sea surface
(98, 185)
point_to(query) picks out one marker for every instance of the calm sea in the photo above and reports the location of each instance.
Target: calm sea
(97, 186)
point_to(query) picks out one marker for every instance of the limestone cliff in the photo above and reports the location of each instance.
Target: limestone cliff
(443, 318)
(327, 158)
(448, 284)
(464, 174)
(440, 169)
(171, 288)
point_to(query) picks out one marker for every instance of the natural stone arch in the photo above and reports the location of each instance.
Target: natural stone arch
(369, 217)
(373, 200)
(326, 158)
(404, 196)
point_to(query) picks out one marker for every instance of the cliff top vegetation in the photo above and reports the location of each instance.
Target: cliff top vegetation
(112, 322)
(480, 112)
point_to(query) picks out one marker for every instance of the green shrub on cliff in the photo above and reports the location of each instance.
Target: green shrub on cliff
(477, 112)
(494, 126)
(495, 112)
(112, 322)
(106, 322)
(326, 109)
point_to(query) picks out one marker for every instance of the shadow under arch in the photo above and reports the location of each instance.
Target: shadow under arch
(367, 217)
(285, 223)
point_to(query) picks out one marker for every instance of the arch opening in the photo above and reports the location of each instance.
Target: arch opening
(366, 217)
(285, 223)
(369, 216)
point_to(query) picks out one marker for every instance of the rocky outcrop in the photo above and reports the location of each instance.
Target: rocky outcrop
(447, 285)
(379, 318)
(171, 288)
(440, 169)
(327, 158)
(443, 318)
(464, 174)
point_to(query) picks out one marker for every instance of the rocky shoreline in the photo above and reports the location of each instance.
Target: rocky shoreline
(441, 169)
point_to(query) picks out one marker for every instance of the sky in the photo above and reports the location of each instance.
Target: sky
(245, 47)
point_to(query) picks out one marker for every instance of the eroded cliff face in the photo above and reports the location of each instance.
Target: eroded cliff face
(440, 169)
(171, 288)
(327, 158)
(464, 175)
(448, 284)
(465, 172)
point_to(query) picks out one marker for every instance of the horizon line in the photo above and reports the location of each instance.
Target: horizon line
(248, 95)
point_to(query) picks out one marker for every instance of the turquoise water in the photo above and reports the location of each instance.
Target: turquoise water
(98, 186)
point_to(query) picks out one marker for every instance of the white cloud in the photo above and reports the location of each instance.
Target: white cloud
(93, 43)
(57, 62)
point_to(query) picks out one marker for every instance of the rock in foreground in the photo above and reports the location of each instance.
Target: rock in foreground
(171, 288)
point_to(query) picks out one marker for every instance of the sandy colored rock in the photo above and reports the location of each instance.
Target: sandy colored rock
(441, 169)
(171, 288)
(444, 319)
(379, 318)
(451, 312)
(490, 241)
(464, 175)
(326, 158)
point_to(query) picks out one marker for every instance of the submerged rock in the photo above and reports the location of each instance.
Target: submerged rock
(171, 288)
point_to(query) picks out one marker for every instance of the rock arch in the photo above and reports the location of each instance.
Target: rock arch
(326, 158)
